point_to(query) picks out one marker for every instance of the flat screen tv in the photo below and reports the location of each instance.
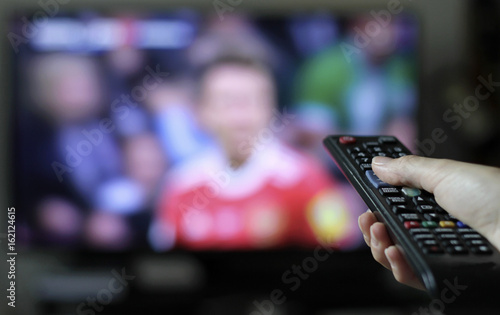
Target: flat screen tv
(199, 132)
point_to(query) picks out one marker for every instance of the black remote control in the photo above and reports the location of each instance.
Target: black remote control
(443, 251)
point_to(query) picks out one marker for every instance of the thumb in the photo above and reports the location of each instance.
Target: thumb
(413, 171)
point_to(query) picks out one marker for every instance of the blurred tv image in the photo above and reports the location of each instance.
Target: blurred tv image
(184, 130)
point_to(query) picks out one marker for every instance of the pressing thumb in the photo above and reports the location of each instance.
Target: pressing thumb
(412, 171)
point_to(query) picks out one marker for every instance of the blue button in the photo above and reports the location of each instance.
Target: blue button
(460, 224)
(375, 181)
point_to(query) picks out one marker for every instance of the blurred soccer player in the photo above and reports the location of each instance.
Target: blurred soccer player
(249, 190)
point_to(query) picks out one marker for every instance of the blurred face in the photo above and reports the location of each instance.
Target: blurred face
(236, 103)
(382, 38)
(144, 160)
(76, 94)
(68, 88)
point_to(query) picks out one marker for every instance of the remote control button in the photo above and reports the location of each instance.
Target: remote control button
(481, 250)
(380, 154)
(433, 217)
(365, 166)
(375, 181)
(430, 224)
(453, 243)
(423, 237)
(396, 200)
(449, 217)
(402, 209)
(428, 243)
(347, 140)
(419, 200)
(411, 192)
(446, 224)
(433, 250)
(457, 250)
(423, 200)
(430, 198)
(440, 210)
(426, 209)
(398, 155)
(397, 149)
(371, 144)
(363, 161)
(472, 237)
(450, 236)
(387, 140)
(475, 243)
(389, 191)
(409, 217)
(466, 231)
(411, 224)
(356, 155)
(354, 149)
(460, 224)
(375, 149)
(420, 231)
(443, 230)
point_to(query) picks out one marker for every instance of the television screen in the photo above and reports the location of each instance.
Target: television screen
(184, 130)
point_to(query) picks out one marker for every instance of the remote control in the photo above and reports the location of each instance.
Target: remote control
(448, 256)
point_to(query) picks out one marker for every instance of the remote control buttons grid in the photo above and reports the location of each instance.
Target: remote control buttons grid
(434, 230)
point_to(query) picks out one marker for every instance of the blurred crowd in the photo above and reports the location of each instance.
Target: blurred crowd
(214, 143)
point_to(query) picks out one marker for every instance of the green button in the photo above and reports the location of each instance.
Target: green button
(429, 224)
(411, 192)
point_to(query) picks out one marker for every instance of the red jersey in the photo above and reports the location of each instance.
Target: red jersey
(278, 197)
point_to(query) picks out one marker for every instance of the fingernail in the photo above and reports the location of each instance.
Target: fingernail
(381, 160)
(393, 265)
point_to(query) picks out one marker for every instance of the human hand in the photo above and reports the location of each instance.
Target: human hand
(469, 192)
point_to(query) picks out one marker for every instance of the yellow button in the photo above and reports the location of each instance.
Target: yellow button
(447, 224)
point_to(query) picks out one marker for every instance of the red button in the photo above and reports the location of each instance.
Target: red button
(347, 140)
(412, 224)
